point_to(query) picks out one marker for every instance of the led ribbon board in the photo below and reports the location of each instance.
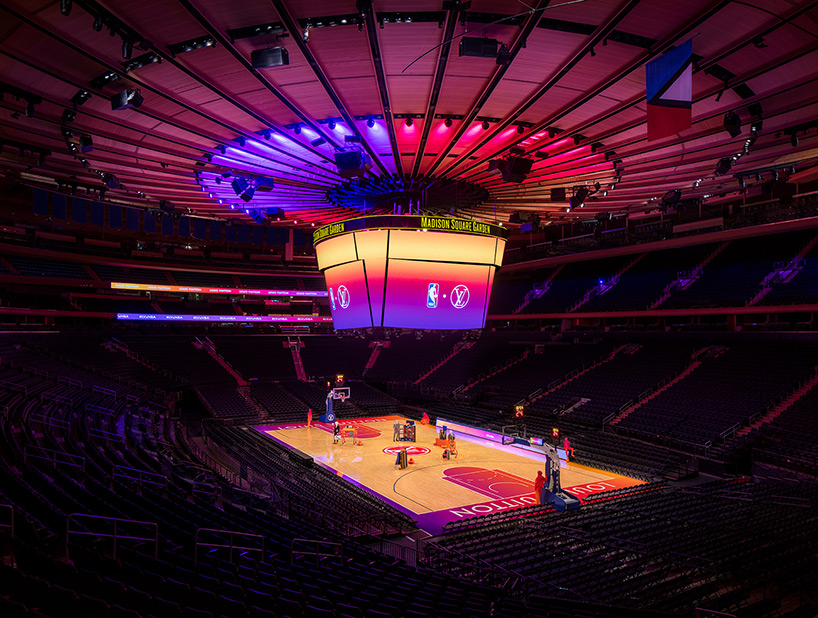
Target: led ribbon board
(146, 287)
(175, 317)
(409, 271)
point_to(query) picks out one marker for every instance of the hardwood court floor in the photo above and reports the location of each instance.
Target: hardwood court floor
(483, 470)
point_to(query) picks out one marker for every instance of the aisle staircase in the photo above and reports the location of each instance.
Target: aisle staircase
(783, 272)
(295, 350)
(206, 345)
(458, 347)
(493, 372)
(687, 278)
(244, 391)
(558, 384)
(605, 286)
(114, 344)
(538, 290)
(696, 361)
(376, 346)
(785, 404)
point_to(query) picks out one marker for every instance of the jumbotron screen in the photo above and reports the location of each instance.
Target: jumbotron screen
(409, 271)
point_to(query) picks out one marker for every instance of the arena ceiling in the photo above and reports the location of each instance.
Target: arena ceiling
(571, 89)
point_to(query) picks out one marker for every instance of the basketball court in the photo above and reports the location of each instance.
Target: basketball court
(485, 477)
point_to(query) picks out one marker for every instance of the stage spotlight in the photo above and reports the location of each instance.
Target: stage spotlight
(485, 125)
(794, 140)
(97, 23)
(68, 115)
(239, 184)
(724, 166)
(370, 123)
(111, 181)
(578, 201)
(80, 97)
(267, 134)
(127, 48)
(520, 129)
(65, 7)
(732, 124)
(126, 99)
(448, 122)
(671, 198)
(86, 144)
(242, 188)
(331, 124)
(409, 122)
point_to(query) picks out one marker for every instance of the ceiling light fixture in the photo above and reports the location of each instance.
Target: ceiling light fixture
(127, 99)
(732, 123)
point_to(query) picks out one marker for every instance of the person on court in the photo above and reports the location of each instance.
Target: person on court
(309, 418)
(539, 483)
(396, 431)
(336, 432)
(569, 453)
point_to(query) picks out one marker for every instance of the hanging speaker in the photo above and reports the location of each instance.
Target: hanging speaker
(272, 57)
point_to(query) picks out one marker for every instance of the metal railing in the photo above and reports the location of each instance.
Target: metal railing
(706, 613)
(140, 476)
(81, 519)
(62, 458)
(104, 391)
(232, 545)
(206, 489)
(316, 548)
(9, 523)
(101, 434)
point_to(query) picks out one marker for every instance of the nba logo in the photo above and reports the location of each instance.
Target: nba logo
(332, 299)
(431, 295)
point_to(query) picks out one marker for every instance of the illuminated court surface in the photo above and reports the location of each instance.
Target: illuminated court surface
(485, 477)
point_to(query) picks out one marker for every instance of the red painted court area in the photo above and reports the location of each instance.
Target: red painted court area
(485, 477)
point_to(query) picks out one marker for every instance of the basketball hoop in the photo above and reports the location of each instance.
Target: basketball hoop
(340, 393)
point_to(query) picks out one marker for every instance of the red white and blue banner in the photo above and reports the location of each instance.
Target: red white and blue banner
(669, 83)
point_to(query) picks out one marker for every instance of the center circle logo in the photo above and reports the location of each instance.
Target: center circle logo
(410, 450)
(343, 296)
(459, 296)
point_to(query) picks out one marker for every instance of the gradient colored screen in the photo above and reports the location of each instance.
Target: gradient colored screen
(436, 294)
(409, 279)
(348, 298)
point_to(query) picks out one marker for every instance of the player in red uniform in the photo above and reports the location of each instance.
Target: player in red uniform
(539, 483)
